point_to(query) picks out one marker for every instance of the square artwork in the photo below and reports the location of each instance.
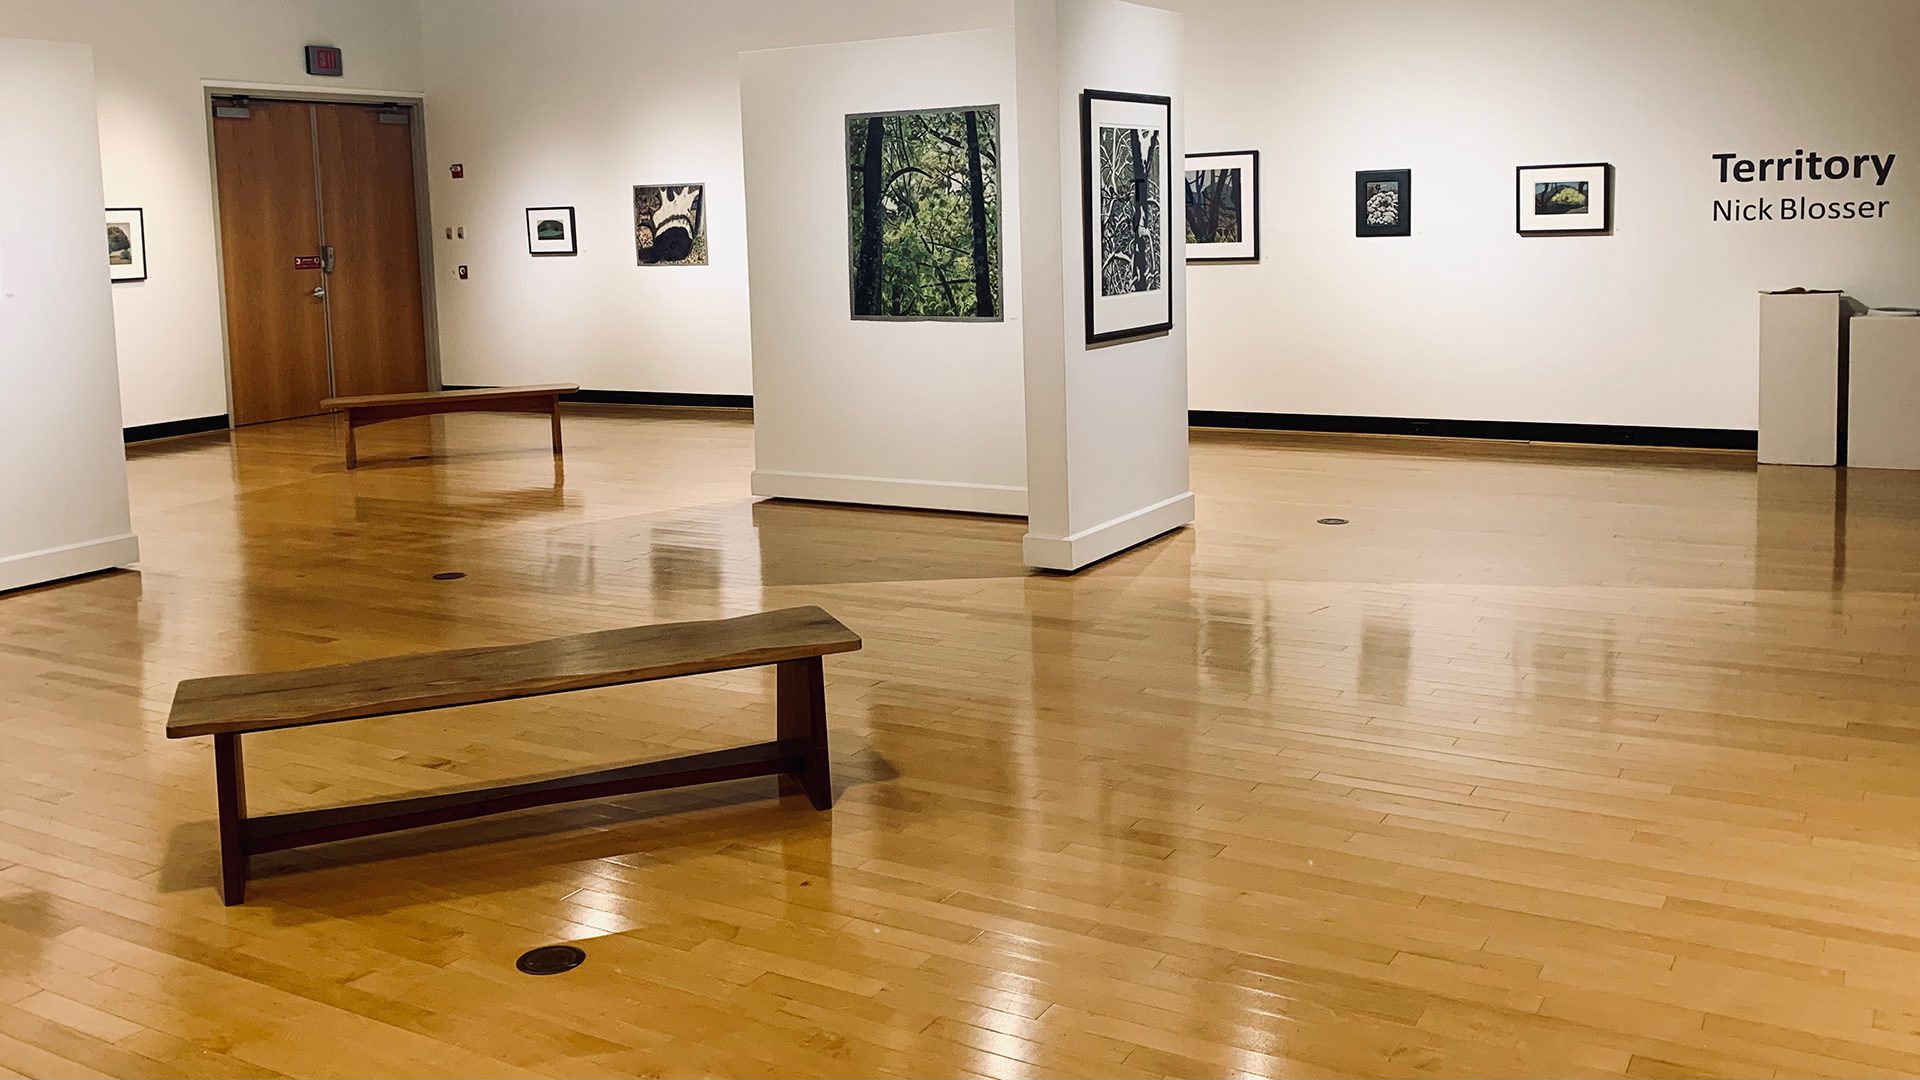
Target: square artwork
(1563, 200)
(1126, 176)
(550, 231)
(923, 214)
(126, 244)
(670, 224)
(1383, 203)
(1222, 199)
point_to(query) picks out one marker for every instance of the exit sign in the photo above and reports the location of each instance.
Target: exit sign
(323, 60)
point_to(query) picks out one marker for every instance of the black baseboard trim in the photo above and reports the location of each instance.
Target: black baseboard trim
(1509, 430)
(645, 397)
(194, 425)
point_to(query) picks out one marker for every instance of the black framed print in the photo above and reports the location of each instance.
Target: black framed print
(1223, 207)
(550, 231)
(1126, 178)
(126, 243)
(1563, 200)
(1383, 202)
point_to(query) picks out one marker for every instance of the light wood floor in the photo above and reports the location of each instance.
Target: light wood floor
(1553, 762)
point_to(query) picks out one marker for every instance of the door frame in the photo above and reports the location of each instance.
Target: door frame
(414, 101)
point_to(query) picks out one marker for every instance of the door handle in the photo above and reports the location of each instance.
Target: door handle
(319, 291)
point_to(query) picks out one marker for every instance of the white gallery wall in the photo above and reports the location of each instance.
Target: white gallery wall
(1655, 325)
(573, 102)
(63, 475)
(1107, 424)
(152, 62)
(902, 413)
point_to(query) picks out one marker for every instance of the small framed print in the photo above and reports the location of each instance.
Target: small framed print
(1563, 200)
(1383, 202)
(1223, 207)
(126, 243)
(550, 231)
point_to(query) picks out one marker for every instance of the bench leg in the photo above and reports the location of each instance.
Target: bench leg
(801, 701)
(353, 459)
(230, 779)
(556, 427)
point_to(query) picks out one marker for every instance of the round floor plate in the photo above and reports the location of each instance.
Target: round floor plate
(550, 959)
(448, 575)
(1333, 521)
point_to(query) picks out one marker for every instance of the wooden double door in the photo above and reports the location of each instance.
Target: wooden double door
(320, 246)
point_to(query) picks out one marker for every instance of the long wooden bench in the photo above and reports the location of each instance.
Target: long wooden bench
(377, 408)
(227, 707)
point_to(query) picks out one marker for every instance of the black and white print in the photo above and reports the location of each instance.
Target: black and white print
(1383, 203)
(1126, 150)
(1563, 200)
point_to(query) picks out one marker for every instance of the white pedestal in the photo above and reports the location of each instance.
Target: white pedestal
(1800, 337)
(1883, 410)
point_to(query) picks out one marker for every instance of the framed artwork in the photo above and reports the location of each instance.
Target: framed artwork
(1223, 207)
(550, 231)
(923, 214)
(1563, 200)
(670, 224)
(126, 243)
(1126, 178)
(1383, 203)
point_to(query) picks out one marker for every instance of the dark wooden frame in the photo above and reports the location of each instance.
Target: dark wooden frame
(140, 215)
(1087, 244)
(1360, 181)
(1606, 186)
(799, 751)
(378, 408)
(573, 232)
(1253, 176)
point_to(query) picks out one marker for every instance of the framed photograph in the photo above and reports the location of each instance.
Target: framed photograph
(1126, 178)
(1563, 200)
(923, 214)
(550, 231)
(1383, 202)
(126, 243)
(670, 224)
(1223, 207)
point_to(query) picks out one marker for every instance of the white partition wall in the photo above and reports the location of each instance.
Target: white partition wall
(921, 414)
(1106, 425)
(63, 473)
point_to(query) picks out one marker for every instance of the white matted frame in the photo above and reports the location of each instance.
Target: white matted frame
(128, 225)
(538, 217)
(1563, 200)
(1247, 164)
(1122, 312)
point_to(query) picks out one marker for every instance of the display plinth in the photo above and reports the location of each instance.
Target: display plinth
(1802, 363)
(1883, 409)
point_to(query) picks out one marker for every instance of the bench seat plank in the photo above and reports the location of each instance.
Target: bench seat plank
(425, 396)
(233, 704)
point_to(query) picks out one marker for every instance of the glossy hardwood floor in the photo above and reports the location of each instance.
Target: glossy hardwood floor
(1553, 762)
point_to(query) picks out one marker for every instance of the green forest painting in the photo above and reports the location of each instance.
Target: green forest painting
(923, 214)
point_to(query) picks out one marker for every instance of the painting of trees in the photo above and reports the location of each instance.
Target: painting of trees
(1131, 205)
(1213, 206)
(923, 214)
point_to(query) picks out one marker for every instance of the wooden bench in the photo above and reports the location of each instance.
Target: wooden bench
(375, 408)
(229, 706)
